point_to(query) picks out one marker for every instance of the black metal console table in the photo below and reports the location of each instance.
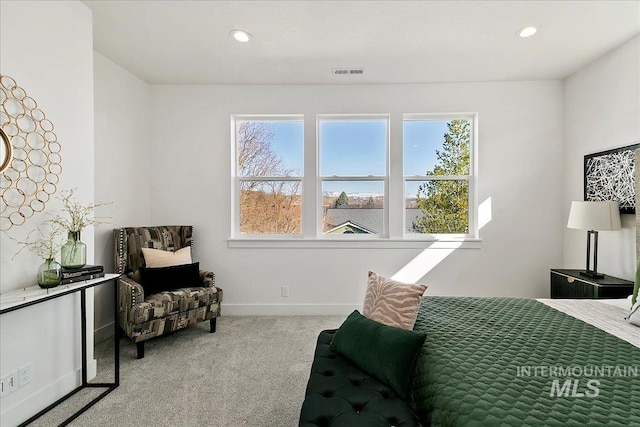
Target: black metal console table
(26, 297)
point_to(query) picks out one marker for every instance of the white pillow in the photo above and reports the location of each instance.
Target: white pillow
(159, 258)
(634, 316)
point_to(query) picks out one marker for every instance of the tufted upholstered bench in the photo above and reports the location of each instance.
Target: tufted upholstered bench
(340, 394)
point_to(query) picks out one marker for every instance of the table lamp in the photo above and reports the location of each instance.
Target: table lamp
(594, 217)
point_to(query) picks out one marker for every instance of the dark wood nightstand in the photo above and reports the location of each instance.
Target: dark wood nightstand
(570, 284)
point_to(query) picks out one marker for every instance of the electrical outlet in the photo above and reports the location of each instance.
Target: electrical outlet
(4, 386)
(284, 291)
(25, 374)
(9, 383)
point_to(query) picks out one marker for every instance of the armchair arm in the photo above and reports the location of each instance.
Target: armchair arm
(208, 278)
(130, 293)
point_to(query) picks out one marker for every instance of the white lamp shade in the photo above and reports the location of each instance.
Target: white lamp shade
(598, 216)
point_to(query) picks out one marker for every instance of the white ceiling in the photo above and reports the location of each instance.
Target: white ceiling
(299, 42)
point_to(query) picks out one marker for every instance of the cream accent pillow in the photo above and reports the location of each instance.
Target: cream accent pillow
(392, 303)
(634, 315)
(159, 258)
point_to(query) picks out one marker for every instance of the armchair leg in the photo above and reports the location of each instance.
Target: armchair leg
(212, 323)
(140, 348)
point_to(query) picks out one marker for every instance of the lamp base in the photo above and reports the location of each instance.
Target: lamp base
(592, 274)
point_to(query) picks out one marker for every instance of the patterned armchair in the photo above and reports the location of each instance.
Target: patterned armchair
(141, 316)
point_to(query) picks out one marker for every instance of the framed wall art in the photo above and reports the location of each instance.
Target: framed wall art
(609, 176)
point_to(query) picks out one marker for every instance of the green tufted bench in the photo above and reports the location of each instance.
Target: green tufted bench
(340, 394)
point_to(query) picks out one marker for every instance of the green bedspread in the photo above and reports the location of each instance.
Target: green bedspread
(517, 362)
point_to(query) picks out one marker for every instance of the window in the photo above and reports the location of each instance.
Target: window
(353, 174)
(364, 181)
(268, 172)
(437, 175)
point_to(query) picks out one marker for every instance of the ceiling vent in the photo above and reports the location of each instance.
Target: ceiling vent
(348, 71)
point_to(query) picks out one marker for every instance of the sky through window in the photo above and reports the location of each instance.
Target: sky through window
(358, 148)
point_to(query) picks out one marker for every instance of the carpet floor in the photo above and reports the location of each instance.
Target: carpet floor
(251, 372)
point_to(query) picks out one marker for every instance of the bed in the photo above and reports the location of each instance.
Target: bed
(510, 361)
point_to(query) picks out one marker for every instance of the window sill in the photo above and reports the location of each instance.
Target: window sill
(354, 244)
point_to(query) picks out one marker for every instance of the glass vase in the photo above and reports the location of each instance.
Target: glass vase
(49, 274)
(74, 253)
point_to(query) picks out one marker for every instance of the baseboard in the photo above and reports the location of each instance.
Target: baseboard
(103, 333)
(288, 309)
(106, 331)
(39, 399)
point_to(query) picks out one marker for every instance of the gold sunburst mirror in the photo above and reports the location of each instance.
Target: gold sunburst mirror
(6, 151)
(30, 156)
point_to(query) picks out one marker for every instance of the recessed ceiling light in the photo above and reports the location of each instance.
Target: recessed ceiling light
(240, 35)
(527, 31)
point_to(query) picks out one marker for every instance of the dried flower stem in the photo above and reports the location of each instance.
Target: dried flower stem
(78, 216)
(47, 243)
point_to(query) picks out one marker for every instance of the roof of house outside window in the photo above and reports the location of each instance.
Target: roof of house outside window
(350, 227)
(365, 220)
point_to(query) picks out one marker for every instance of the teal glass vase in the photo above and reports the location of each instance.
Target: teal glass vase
(49, 274)
(74, 253)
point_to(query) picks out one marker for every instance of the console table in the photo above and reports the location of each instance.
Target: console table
(26, 297)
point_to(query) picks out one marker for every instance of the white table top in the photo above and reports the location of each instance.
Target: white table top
(32, 294)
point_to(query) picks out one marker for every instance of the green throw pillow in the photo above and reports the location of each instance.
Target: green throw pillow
(386, 352)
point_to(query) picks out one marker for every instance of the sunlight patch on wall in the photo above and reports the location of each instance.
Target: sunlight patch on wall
(484, 213)
(426, 260)
(423, 263)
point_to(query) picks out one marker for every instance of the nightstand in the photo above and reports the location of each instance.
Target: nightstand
(570, 284)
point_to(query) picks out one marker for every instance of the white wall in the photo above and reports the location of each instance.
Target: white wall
(601, 112)
(520, 166)
(47, 48)
(122, 165)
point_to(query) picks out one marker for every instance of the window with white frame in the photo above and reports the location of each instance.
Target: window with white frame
(269, 159)
(353, 175)
(438, 175)
(358, 178)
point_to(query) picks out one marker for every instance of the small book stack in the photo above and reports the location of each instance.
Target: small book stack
(88, 272)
